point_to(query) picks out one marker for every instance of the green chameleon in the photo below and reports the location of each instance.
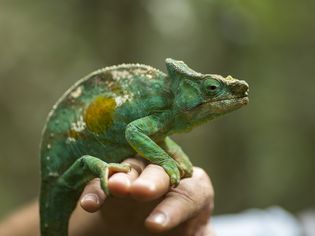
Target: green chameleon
(117, 112)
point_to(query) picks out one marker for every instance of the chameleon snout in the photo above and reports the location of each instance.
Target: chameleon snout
(240, 88)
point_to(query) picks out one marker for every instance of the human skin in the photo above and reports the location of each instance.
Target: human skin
(142, 204)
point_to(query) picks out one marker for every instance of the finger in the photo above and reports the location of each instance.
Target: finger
(119, 183)
(93, 196)
(193, 196)
(151, 184)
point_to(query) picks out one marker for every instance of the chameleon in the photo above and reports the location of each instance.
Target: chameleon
(118, 112)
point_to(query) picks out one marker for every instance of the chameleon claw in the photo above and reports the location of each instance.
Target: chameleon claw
(104, 186)
(110, 169)
(174, 180)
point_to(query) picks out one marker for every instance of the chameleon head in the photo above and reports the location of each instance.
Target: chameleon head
(223, 94)
(200, 97)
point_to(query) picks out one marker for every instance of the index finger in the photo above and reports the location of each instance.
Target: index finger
(119, 184)
(151, 184)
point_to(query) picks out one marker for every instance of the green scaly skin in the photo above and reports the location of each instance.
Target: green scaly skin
(120, 111)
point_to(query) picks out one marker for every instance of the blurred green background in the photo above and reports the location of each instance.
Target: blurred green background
(259, 156)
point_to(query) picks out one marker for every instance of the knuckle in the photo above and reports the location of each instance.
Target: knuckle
(204, 180)
(94, 187)
(200, 173)
(155, 167)
(94, 182)
(184, 195)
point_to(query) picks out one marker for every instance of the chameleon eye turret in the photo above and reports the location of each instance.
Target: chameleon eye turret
(212, 86)
(118, 112)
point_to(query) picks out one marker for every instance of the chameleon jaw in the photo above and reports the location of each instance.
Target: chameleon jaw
(243, 100)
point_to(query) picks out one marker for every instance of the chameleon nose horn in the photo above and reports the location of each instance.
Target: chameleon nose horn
(240, 87)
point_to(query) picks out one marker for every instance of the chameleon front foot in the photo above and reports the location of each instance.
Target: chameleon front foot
(87, 168)
(172, 171)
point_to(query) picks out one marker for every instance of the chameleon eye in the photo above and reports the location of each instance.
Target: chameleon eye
(211, 86)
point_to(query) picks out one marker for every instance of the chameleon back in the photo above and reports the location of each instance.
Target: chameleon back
(90, 118)
(92, 113)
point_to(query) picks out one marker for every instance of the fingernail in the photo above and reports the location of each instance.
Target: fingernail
(91, 197)
(158, 218)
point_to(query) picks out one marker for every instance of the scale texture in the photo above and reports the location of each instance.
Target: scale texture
(118, 112)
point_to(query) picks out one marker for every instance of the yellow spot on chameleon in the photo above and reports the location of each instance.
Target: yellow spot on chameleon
(74, 134)
(98, 115)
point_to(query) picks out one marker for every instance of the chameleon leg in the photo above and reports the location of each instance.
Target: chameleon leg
(65, 192)
(87, 168)
(175, 151)
(137, 134)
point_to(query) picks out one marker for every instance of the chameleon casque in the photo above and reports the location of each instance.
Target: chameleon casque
(117, 112)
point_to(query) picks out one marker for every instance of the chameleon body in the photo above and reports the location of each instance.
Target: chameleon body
(117, 112)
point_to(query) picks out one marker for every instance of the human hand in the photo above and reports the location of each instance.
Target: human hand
(143, 202)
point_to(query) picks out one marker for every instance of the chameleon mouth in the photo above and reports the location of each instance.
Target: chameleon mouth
(230, 104)
(241, 99)
(233, 101)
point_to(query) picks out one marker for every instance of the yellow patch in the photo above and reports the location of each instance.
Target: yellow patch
(74, 134)
(98, 115)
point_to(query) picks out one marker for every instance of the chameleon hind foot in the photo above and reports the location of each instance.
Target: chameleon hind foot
(87, 168)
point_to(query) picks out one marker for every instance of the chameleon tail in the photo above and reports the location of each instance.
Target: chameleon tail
(59, 197)
(56, 206)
